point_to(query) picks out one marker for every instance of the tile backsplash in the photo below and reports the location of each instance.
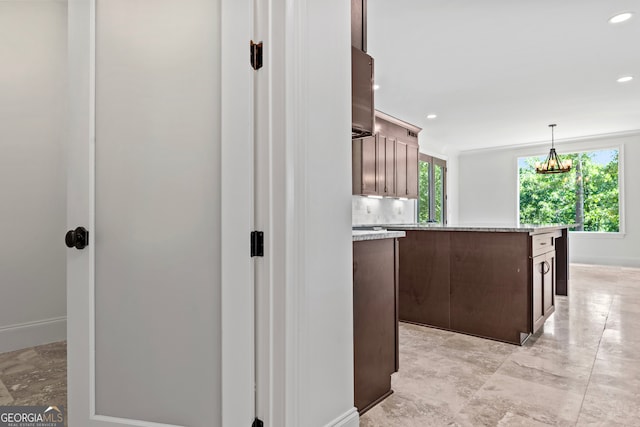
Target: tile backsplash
(366, 210)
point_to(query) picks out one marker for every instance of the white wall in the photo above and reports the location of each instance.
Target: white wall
(488, 194)
(324, 321)
(33, 40)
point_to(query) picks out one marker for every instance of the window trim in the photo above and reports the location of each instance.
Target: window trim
(434, 161)
(584, 148)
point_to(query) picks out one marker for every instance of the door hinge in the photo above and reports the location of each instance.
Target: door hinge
(256, 55)
(257, 243)
(257, 423)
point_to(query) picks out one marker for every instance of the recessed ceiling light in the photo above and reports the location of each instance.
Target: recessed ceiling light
(625, 79)
(376, 87)
(432, 116)
(621, 17)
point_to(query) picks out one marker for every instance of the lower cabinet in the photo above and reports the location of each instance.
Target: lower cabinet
(543, 283)
(375, 320)
(498, 285)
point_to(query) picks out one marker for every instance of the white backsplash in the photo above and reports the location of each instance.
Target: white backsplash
(366, 210)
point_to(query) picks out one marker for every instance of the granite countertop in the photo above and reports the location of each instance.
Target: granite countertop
(359, 235)
(507, 228)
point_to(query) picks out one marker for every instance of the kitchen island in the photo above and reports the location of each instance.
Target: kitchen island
(496, 282)
(375, 314)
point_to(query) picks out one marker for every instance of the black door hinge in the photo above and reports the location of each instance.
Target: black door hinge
(256, 55)
(257, 243)
(257, 423)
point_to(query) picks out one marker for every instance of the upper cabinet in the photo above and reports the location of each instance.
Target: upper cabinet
(387, 164)
(386, 152)
(364, 156)
(359, 24)
(361, 94)
(412, 171)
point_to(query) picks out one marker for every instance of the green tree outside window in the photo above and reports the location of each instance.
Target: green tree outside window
(588, 195)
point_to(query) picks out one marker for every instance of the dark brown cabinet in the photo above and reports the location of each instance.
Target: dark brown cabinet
(412, 171)
(544, 277)
(387, 164)
(423, 277)
(406, 170)
(375, 320)
(364, 165)
(498, 285)
(401, 169)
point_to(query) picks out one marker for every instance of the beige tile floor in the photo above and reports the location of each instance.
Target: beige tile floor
(582, 369)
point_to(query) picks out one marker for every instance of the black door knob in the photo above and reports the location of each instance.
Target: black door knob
(78, 238)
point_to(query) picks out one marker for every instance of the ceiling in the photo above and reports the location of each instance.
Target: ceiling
(497, 72)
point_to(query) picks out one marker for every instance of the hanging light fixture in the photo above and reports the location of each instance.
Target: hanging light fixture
(553, 164)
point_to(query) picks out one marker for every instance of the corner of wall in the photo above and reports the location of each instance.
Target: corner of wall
(351, 418)
(17, 337)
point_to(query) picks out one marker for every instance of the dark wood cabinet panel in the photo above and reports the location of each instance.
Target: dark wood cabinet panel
(537, 291)
(490, 284)
(374, 320)
(412, 171)
(498, 285)
(390, 167)
(561, 245)
(401, 169)
(364, 166)
(400, 161)
(549, 283)
(423, 287)
(359, 24)
(385, 168)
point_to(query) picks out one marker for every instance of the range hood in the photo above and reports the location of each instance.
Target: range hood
(362, 110)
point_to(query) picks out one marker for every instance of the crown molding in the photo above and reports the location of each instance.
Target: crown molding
(561, 141)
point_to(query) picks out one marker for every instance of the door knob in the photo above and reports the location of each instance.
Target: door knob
(78, 238)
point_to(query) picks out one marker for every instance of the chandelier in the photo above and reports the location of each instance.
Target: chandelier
(553, 164)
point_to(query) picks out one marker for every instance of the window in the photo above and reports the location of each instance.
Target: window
(432, 202)
(588, 195)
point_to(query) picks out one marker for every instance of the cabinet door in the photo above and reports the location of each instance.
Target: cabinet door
(412, 171)
(374, 320)
(364, 172)
(390, 167)
(537, 292)
(549, 281)
(369, 165)
(401, 169)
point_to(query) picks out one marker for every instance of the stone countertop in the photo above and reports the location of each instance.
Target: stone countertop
(506, 228)
(360, 235)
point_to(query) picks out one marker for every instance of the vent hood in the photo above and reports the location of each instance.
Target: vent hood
(362, 111)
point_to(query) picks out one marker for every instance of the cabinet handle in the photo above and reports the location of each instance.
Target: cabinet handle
(548, 267)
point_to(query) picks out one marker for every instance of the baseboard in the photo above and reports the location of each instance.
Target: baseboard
(31, 334)
(348, 419)
(603, 260)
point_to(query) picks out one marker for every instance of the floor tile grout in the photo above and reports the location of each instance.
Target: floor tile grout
(595, 359)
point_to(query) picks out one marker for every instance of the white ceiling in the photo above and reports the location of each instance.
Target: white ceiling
(497, 72)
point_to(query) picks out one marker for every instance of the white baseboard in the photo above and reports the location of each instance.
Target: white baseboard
(604, 260)
(31, 334)
(351, 418)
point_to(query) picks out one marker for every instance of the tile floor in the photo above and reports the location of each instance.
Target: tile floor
(582, 369)
(34, 376)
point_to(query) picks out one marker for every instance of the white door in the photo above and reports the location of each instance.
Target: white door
(160, 303)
